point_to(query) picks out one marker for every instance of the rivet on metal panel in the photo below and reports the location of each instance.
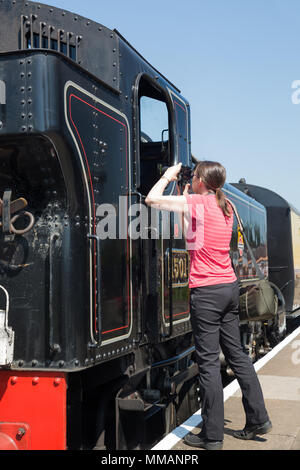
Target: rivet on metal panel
(35, 380)
(14, 380)
(57, 382)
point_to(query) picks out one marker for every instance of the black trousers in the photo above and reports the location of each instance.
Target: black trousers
(215, 322)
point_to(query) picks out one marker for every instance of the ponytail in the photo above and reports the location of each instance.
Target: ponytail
(222, 203)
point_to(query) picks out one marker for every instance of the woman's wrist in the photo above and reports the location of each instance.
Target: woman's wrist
(164, 176)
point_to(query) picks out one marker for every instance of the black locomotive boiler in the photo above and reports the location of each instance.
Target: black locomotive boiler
(96, 343)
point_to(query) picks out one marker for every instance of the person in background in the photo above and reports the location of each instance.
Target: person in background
(214, 299)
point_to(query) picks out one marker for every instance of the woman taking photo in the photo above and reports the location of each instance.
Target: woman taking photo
(214, 299)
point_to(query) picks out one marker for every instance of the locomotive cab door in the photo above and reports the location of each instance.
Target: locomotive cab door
(164, 258)
(101, 135)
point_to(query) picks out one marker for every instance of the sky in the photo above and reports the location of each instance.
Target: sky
(236, 62)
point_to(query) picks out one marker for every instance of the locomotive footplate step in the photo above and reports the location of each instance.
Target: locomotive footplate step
(279, 375)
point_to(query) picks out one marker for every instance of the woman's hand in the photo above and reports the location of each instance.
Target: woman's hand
(156, 198)
(186, 189)
(172, 172)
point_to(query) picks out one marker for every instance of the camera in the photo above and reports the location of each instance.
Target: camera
(185, 175)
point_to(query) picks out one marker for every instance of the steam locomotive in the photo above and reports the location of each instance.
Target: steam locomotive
(96, 347)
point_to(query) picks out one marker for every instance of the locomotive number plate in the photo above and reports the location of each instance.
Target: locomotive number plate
(180, 267)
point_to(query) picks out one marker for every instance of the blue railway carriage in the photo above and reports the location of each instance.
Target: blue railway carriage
(283, 241)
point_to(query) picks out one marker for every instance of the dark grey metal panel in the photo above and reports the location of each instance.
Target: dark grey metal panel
(26, 25)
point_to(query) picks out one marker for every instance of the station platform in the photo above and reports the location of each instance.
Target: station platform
(279, 375)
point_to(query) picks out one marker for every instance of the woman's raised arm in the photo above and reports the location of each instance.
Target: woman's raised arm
(156, 198)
